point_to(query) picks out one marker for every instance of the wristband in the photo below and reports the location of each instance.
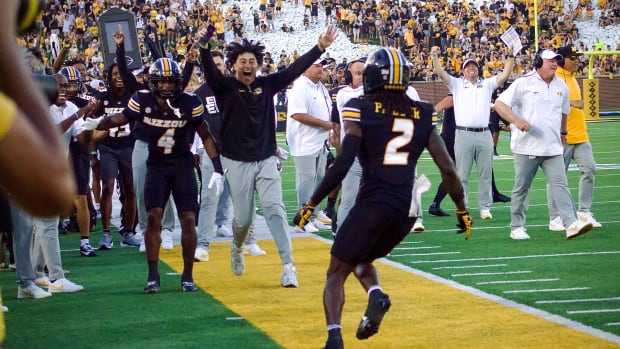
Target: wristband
(511, 56)
(563, 133)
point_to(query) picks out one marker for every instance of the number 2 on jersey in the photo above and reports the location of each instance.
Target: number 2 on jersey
(166, 140)
(392, 156)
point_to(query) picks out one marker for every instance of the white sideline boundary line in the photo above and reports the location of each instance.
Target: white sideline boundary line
(522, 307)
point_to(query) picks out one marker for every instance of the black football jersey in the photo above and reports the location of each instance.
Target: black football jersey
(119, 136)
(389, 149)
(169, 132)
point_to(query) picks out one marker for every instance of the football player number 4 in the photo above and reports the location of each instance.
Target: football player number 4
(392, 156)
(166, 141)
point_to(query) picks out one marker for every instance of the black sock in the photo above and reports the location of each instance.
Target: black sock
(106, 231)
(331, 202)
(333, 333)
(153, 272)
(188, 268)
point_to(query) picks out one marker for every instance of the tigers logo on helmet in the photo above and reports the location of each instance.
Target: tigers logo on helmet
(388, 69)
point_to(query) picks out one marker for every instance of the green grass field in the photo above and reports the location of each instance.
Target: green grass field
(576, 280)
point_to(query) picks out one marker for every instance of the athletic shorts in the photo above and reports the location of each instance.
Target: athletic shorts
(80, 157)
(113, 161)
(494, 120)
(163, 180)
(364, 237)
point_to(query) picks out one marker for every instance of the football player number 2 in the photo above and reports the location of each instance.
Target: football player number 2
(392, 156)
(166, 141)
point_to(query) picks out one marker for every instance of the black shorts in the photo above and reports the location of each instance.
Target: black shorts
(220, 37)
(262, 7)
(80, 158)
(494, 121)
(364, 237)
(114, 161)
(163, 180)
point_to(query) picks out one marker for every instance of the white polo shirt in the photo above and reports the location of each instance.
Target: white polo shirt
(472, 102)
(308, 98)
(60, 113)
(542, 105)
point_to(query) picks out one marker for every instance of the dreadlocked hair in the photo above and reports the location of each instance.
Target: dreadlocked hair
(394, 102)
(235, 49)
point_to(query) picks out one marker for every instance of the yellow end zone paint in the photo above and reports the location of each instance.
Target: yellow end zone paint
(424, 314)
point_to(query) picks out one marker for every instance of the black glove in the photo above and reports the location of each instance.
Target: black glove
(465, 223)
(303, 216)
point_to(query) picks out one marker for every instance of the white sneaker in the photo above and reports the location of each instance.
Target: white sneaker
(289, 276)
(420, 186)
(587, 217)
(237, 260)
(519, 234)
(577, 228)
(319, 225)
(254, 250)
(322, 217)
(142, 247)
(64, 285)
(309, 228)
(201, 254)
(556, 224)
(166, 239)
(223, 231)
(418, 226)
(32, 291)
(42, 281)
(486, 214)
(4, 309)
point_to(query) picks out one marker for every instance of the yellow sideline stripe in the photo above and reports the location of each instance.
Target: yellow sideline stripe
(424, 314)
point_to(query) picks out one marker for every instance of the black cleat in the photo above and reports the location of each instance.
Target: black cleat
(152, 287)
(437, 211)
(501, 198)
(188, 286)
(378, 304)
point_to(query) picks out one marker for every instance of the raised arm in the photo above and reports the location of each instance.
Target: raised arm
(443, 75)
(508, 67)
(131, 85)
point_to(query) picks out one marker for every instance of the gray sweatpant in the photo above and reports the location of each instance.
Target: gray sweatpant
(262, 177)
(46, 248)
(584, 158)
(214, 210)
(470, 147)
(525, 171)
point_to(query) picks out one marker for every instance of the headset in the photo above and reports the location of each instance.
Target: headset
(348, 77)
(538, 61)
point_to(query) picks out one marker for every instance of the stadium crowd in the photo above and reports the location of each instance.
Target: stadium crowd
(463, 29)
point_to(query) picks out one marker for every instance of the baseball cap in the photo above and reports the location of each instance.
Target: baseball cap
(549, 54)
(320, 61)
(138, 71)
(470, 60)
(569, 51)
(341, 66)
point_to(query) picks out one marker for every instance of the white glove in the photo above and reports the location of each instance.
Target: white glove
(91, 124)
(421, 185)
(217, 180)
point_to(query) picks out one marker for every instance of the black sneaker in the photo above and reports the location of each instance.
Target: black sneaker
(334, 342)
(86, 250)
(152, 287)
(188, 286)
(378, 304)
(501, 198)
(437, 211)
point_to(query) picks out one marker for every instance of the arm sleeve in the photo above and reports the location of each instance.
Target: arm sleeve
(283, 78)
(186, 75)
(128, 79)
(339, 169)
(213, 76)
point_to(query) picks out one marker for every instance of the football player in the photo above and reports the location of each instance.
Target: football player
(388, 131)
(168, 119)
(80, 156)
